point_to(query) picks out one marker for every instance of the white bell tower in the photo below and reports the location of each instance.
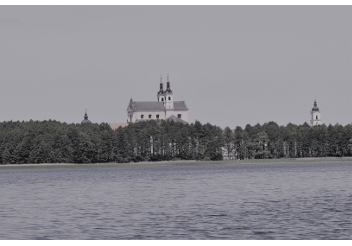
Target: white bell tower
(315, 115)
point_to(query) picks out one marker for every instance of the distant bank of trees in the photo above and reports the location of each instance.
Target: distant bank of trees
(292, 141)
(56, 142)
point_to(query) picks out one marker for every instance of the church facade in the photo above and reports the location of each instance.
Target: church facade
(315, 115)
(165, 108)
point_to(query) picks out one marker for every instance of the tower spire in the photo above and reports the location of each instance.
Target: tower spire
(161, 90)
(85, 121)
(86, 115)
(168, 89)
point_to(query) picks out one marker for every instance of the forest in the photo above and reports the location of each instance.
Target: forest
(56, 142)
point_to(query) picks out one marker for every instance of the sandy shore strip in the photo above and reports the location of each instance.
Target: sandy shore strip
(181, 163)
(110, 164)
(129, 163)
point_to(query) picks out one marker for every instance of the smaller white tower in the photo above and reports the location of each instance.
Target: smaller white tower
(315, 115)
(169, 96)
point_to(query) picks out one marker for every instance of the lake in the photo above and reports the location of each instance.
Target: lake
(251, 201)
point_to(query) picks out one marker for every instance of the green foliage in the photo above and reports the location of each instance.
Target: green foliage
(350, 145)
(56, 142)
(291, 141)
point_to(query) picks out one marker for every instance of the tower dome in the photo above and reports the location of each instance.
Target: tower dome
(315, 108)
(86, 121)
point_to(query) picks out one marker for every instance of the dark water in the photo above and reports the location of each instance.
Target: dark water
(264, 201)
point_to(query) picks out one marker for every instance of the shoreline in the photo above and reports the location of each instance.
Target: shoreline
(179, 163)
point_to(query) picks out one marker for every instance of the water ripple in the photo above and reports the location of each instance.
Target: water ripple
(274, 201)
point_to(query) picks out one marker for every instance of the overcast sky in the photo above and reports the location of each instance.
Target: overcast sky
(233, 65)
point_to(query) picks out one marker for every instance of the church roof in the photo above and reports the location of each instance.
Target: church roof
(86, 121)
(180, 105)
(155, 106)
(147, 106)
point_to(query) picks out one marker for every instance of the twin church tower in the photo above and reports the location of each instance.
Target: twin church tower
(166, 96)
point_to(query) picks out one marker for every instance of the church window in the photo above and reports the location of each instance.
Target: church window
(162, 99)
(169, 98)
(157, 116)
(150, 116)
(142, 116)
(316, 117)
(179, 116)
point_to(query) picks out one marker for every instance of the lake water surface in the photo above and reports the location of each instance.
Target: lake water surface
(253, 201)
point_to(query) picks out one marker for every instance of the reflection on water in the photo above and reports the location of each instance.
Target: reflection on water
(264, 201)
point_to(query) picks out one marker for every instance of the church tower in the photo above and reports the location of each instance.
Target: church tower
(169, 96)
(161, 93)
(315, 115)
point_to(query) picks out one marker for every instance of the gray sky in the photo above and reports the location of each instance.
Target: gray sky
(233, 65)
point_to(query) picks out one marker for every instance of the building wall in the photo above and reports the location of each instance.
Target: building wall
(169, 104)
(314, 121)
(137, 115)
(133, 117)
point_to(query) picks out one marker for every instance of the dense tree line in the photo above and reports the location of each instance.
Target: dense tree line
(292, 141)
(56, 142)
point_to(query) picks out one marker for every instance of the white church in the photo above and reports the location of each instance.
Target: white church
(315, 115)
(163, 109)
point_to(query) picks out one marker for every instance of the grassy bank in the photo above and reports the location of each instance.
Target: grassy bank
(178, 163)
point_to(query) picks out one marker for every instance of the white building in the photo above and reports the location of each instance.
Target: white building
(163, 109)
(315, 115)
